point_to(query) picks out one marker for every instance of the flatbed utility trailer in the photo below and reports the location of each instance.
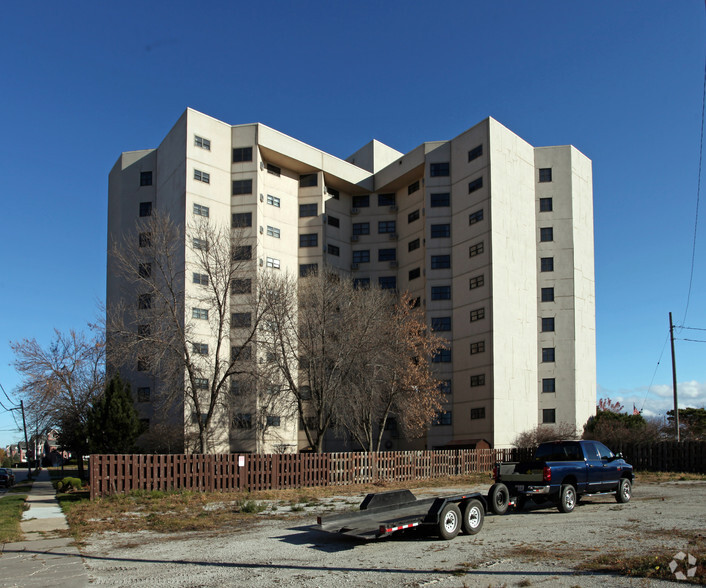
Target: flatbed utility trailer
(384, 513)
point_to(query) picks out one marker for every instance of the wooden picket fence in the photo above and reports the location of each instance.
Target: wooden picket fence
(117, 474)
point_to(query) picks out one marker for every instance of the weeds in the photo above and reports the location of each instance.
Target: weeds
(11, 508)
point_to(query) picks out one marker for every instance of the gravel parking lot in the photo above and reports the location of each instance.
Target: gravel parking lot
(531, 548)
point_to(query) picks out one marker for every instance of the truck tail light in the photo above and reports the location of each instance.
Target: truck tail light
(547, 474)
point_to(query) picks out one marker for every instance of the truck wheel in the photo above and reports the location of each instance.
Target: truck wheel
(567, 499)
(499, 497)
(449, 521)
(624, 491)
(473, 515)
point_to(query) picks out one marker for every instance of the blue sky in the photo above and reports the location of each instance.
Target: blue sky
(622, 81)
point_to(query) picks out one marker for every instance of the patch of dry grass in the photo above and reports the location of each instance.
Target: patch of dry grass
(656, 477)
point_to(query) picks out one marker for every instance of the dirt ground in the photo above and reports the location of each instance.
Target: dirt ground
(538, 547)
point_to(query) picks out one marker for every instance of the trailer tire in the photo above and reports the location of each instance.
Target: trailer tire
(567, 498)
(499, 497)
(449, 521)
(473, 516)
(624, 491)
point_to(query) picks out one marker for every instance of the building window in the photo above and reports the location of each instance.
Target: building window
(441, 356)
(272, 262)
(547, 324)
(476, 249)
(306, 210)
(387, 254)
(475, 217)
(547, 354)
(361, 283)
(413, 244)
(361, 228)
(548, 385)
(333, 221)
(241, 286)
(145, 239)
(476, 282)
(440, 231)
(308, 269)
(309, 240)
(143, 394)
(477, 380)
(414, 273)
(239, 388)
(273, 232)
(273, 200)
(477, 314)
(439, 169)
(386, 226)
(333, 250)
(273, 420)
(386, 200)
(361, 256)
(200, 279)
(240, 353)
(144, 301)
(475, 153)
(199, 313)
(478, 413)
(242, 187)
(200, 210)
(146, 178)
(202, 176)
(333, 193)
(413, 216)
(242, 421)
(549, 415)
(547, 294)
(445, 387)
(274, 170)
(308, 180)
(200, 244)
(476, 184)
(242, 154)
(203, 143)
(442, 418)
(441, 292)
(145, 269)
(440, 200)
(441, 323)
(241, 219)
(387, 282)
(477, 347)
(145, 209)
(545, 174)
(361, 201)
(440, 261)
(412, 188)
(547, 264)
(545, 205)
(143, 364)
(242, 253)
(240, 320)
(546, 234)
(200, 348)
(416, 303)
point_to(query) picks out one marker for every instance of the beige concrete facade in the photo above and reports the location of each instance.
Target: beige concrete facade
(465, 225)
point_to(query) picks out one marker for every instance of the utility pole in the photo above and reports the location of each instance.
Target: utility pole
(674, 380)
(24, 424)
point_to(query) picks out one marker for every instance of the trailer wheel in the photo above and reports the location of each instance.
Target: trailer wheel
(499, 497)
(473, 516)
(624, 491)
(449, 521)
(567, 498)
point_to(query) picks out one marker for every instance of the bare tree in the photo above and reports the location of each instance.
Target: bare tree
(60, 382)
(544, 433)
(189, 316)
(393, 376)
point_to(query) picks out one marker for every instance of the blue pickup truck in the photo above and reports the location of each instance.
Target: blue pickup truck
(561, 472)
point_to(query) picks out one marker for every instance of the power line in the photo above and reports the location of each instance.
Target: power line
(693, 340)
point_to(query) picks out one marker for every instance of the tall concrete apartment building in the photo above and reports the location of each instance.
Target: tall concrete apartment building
(492, 235)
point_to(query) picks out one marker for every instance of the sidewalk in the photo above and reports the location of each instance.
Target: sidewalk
(47, 557)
